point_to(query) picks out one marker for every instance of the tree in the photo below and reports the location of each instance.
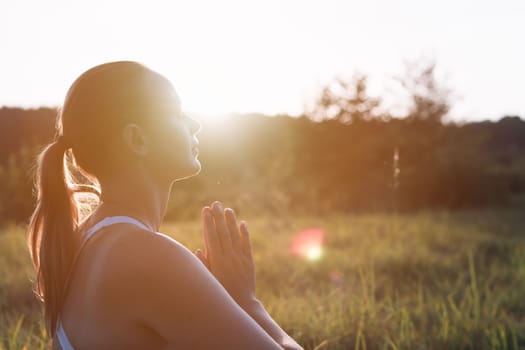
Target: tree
(16, 186)
(346, 101)
(430, 101)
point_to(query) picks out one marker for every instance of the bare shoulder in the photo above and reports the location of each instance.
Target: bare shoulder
(134, 252)
(163, 286)
(143, 270)
(145, 274)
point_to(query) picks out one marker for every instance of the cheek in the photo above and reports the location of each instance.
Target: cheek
(171, 141)
(175, 154)
(180, 145)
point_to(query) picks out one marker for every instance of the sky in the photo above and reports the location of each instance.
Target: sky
(271, 56)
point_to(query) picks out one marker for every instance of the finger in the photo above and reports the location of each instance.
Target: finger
(246, 241)
(213, 245)
(204, 234)
(200, 255)
(235, 235)
(222, 229)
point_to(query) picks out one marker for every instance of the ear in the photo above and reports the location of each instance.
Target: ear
(135, 139)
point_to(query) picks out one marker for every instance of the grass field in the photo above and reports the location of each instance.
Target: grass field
(432, 280)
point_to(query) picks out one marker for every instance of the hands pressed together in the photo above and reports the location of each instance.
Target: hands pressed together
(228, 256)
(228, 253)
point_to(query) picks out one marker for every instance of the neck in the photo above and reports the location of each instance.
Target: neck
(143, 200)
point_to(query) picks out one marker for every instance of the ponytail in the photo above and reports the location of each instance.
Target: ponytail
(52, 233)
(96, 107)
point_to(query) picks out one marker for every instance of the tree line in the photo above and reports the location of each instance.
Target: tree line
(344, 155)
(281, 163)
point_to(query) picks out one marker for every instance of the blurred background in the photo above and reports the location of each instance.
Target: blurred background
(357, 161)
(378, 148)
(307, 107)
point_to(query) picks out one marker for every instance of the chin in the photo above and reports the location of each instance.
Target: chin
(193, 170)
(197, 168)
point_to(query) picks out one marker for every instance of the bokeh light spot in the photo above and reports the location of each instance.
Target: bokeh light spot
(314, 253)
(308, 244)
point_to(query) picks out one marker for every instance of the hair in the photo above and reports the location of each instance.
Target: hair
(98, 104)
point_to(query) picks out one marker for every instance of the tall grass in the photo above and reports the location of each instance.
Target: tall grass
(432, 280)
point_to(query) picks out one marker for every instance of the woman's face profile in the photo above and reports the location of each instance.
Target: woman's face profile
(174, 144)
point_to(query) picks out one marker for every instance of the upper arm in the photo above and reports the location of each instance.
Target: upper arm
(170, 291)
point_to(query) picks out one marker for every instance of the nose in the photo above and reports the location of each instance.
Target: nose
(194, 125)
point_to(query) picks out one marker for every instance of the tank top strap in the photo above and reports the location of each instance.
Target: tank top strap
(62, 338)
(111, 220)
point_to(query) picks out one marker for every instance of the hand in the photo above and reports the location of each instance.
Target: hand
(228, 254)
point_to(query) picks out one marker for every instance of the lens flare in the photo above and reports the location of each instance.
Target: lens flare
(308, 244)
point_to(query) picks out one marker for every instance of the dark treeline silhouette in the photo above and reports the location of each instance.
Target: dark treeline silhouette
(348, 153)
(275, 164)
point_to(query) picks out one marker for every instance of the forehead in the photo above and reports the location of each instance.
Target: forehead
(161, 94)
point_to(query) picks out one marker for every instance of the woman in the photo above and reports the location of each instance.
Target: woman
(112, 281)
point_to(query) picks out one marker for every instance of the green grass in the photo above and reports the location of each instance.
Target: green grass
(431, 280)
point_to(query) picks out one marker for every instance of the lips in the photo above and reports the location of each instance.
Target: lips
(195, 146)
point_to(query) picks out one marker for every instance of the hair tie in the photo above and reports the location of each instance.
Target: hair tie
(63, 141)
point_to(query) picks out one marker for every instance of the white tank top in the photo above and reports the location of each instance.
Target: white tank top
(63, 340)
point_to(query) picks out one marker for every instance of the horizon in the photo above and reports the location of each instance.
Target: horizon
(215, 119)
(270, 58)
